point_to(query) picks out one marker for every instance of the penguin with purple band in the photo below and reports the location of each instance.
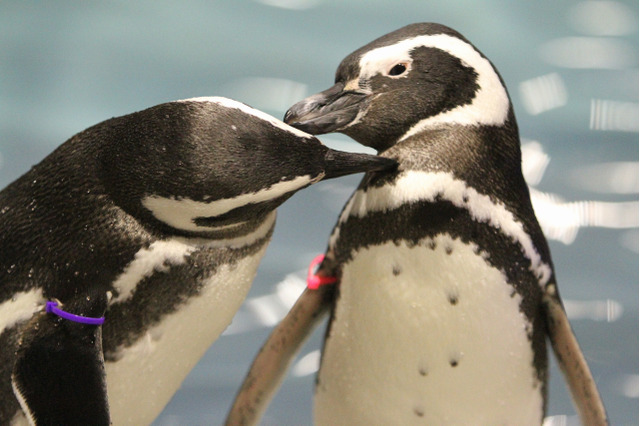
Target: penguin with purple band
(445, 295)
(126, 252)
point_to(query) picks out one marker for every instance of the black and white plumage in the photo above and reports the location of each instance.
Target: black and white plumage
(446, 291)
(156, 220)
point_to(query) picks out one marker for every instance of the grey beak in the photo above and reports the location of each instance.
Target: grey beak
(326, 111)
(338, 163)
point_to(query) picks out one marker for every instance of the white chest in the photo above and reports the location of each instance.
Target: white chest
(149, 372)
(430, 334)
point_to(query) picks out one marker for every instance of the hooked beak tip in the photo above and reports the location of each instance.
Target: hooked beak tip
(326, 112)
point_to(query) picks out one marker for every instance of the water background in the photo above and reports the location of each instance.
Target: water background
(572, 71)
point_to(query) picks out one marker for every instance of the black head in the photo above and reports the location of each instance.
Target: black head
(419, 77)
(426, 96)
(210, 164)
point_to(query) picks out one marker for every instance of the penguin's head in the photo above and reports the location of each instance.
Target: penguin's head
(420, 77)
(211, 164)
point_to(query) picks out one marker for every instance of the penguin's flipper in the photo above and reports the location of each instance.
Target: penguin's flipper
(59, 377)
(272, 361)
(572, 363)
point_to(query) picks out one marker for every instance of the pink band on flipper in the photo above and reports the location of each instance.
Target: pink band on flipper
(315, 281)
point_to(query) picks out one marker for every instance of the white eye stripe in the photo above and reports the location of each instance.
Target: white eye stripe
(490, 106)
(382, 59)
(230, 103)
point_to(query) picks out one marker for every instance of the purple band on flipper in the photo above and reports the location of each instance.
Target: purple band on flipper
(52, 308)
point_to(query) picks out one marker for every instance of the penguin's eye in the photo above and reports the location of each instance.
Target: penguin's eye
(398, 69)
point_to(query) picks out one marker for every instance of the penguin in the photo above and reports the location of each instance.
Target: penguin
(445, 293)
(126, 252)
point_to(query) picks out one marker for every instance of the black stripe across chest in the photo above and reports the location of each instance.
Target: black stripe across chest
(412, 222)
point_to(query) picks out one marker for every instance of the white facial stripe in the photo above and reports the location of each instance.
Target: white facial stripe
(230, 103)
(181, 213)
(20, 307)
(415, 186)
(382, 59)
(491, 103)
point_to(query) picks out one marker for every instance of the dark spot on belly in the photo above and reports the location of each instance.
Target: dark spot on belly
(419, 411)
(396, 270)
(454, 358)
(453, 299)
(513, 293)
(423, 371)
(432, 244)
(465, 198)
(448, 250)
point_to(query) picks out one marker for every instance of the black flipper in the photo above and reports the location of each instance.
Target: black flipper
(59, 375)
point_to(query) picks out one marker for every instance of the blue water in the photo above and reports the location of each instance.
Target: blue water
(572, 71)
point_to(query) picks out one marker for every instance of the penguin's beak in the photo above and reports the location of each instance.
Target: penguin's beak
(328, 111)
(339, 163)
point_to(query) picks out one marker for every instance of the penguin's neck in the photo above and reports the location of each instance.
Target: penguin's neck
(484, 158)
(488, 156)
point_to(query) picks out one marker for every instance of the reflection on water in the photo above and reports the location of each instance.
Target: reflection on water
(619, 177)
(561, 220)
(543, 93)
(588, 53)
(594, 310)
(613, 115)
(602, 18)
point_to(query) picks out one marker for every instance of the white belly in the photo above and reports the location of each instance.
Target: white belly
(143, 381)
(440, 341)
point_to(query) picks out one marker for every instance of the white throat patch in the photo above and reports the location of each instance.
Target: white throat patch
(491, 103)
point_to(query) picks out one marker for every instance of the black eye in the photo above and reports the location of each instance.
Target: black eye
(398, 69)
